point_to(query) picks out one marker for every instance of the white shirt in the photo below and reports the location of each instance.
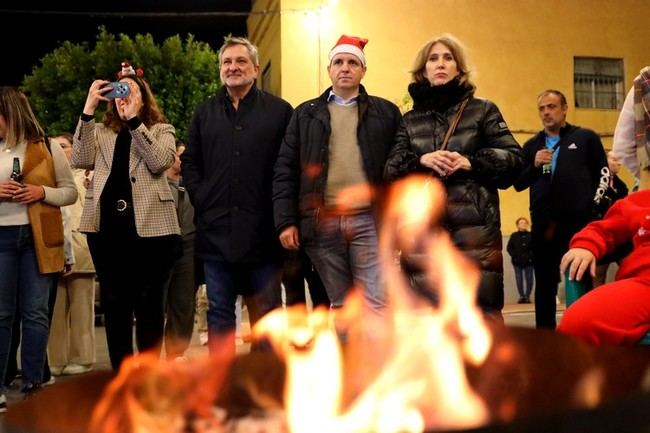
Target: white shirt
(624, 141)
(12, 214)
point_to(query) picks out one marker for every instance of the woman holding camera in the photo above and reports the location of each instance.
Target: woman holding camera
(35, 180)
(129, 214)
(464, 142)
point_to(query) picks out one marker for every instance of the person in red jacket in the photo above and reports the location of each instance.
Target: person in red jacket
(617, 313)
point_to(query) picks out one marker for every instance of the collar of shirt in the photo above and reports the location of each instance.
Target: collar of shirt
(550, 142)
(333, 97)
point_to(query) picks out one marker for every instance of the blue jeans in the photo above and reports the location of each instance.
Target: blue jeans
(520, 271)
(345, 252)
(21, 280)
(258, 283)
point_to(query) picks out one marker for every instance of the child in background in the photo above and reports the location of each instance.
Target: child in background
(520, 249)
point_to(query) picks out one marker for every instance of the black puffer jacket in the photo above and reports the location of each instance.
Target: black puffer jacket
(301, 169)
(473, 217)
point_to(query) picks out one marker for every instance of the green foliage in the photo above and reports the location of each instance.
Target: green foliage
(405, 104)
(181, 74)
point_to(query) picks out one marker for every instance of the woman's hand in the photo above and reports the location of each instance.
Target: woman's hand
(578, 260)
(95, 96)
(445, 163)
(29, 194)
(8, 189)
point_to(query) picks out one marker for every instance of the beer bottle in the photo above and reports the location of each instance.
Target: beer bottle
(16, 175)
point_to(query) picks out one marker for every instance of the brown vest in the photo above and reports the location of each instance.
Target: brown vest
(45, 219)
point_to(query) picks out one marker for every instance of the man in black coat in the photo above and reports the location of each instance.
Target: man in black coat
(327, 174)
(567, 172)
(227, 166)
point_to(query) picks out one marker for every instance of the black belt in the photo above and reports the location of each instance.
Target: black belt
(122, 205)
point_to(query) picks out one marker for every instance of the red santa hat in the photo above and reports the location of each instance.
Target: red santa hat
(351, 45)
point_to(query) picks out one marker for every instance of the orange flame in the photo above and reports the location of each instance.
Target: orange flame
(399, 370)
(419, 350)
(150, 395)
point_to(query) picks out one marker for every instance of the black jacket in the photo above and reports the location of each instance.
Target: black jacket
(574, 192)
(473, 216)
(520, 248)
(302, 166)
(228, 172)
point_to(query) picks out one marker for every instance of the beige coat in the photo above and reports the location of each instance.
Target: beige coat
(83, 262)
(152, 152)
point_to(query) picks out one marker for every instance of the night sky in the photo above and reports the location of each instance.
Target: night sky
(49, 23)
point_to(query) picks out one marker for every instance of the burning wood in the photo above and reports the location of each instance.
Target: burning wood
(415, 367)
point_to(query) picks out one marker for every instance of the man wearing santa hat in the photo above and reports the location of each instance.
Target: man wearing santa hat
(327, 175)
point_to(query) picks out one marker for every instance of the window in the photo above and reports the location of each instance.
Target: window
(598, 83)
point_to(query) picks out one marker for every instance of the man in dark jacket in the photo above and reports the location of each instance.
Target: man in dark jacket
(331, 161)
(567, 172)
(234, 141)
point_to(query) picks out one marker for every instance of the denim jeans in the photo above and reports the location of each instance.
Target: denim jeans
(22, 280)
(520, 271)
(259, 284)
(345, 252)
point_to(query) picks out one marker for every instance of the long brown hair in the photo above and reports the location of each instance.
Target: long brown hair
(21, 123)
(418, 73)
(149, 114)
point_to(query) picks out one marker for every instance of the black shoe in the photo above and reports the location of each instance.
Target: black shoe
(29, 389)
(521, 300)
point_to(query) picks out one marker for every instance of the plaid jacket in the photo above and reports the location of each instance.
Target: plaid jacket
(152, 152)
(641, 117)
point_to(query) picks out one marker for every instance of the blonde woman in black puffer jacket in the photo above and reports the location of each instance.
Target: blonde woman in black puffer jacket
(480, 157)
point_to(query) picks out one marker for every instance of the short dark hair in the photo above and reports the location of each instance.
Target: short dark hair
(555, 92)
(521, 218)
(65, 134)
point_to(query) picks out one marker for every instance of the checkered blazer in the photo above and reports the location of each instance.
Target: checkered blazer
(152, 152)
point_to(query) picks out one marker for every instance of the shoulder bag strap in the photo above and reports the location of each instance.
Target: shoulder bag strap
(453, 125)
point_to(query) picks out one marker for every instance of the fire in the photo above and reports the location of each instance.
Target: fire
(351, 370)
(413, 355)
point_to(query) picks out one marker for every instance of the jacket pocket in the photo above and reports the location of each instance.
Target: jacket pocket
(165, 195)
(52, 227)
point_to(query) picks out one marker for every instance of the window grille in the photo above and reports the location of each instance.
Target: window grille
(598, 83)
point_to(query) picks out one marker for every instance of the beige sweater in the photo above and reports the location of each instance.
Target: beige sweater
(345, 170)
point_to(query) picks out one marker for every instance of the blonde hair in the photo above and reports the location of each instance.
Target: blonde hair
(21, 123)
(418, 73)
